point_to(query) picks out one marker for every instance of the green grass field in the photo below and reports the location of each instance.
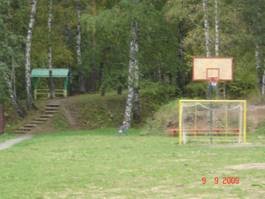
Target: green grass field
(102, 164)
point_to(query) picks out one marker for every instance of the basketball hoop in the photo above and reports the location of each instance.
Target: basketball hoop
(212, 70)
(213, 81)
(205, 68)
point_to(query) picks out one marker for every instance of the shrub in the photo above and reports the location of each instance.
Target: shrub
(165, 117)
(195, 89)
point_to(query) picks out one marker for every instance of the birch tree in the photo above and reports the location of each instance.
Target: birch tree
(50, 17)
(28, 53)
(217, 33)
(206, 28)
(78, 49)
(12, 94)
(136, 86)
(260, 68)
(133, 79)
(8, 49)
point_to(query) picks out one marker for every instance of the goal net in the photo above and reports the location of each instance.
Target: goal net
(212, 121)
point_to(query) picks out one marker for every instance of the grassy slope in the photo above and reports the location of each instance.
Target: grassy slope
(101, 164)
(94, 111)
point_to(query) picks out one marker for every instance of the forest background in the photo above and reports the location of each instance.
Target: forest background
(118, 44)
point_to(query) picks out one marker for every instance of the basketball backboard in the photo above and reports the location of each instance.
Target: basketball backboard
(208, 68)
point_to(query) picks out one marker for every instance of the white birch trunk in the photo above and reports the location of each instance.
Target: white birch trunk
(132, 79)
(206, 28)
(28, 54)
(50, 16)
(257, 57)
(78, 49)
(217, 29)
(12, 94)
(136, 102)
(261, 79)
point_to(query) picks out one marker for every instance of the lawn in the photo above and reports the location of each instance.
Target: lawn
(101, 164)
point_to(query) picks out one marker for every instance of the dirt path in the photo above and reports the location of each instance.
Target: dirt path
(9, 143)
(71, 119)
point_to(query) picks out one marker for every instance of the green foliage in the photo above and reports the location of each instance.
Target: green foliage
(241, 89)
(245, 83)
(170, 34)
(195, 89)
(166, 117)
(157, 92)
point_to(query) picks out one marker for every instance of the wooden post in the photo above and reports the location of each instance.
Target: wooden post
(65, 89)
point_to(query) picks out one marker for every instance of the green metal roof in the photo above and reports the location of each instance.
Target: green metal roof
(44, 72)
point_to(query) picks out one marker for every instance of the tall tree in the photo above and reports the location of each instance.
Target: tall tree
(206, 28)
(260, 68)
(81, 77)
(94, 69)
(253, 16)
(28, 53)
(12, 94)
(133, 80)
(9, 48)
(50, 61)
(217, 28)
(136, 72)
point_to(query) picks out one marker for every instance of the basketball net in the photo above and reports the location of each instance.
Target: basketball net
(213, 81)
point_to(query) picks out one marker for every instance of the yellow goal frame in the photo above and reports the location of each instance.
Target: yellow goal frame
(244, 116)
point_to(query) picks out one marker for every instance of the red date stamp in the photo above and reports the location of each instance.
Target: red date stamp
(230, 180)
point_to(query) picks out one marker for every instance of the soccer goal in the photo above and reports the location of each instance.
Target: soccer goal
(212, 121)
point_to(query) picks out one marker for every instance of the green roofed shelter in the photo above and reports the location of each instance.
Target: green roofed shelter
(44, 73)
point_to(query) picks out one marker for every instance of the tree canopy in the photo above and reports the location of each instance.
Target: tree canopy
(170, 33)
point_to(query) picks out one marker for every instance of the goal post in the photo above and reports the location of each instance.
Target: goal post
(212, 121)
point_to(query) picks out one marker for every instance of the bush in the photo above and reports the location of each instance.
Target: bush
(241, 88)
(164, 118)
(195, 89)
(158, 92)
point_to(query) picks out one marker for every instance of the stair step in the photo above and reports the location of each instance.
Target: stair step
(41, 119)
(30, 125)
(46, 116)
(38, 121)
(25, 129)
(49, 111)
(53, 105)
(19, 131)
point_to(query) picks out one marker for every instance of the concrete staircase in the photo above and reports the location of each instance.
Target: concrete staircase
(50, 109)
